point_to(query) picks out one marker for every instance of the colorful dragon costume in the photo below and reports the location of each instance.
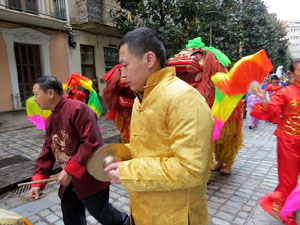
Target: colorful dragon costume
(71, 87)
(119, 99)
(76, 81)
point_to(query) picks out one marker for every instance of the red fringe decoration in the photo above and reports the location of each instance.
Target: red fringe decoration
(111, 94)
(110, 73)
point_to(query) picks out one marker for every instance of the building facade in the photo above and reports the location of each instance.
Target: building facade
(33, 42)
(294, 38)
(96, 41)
(57, 37)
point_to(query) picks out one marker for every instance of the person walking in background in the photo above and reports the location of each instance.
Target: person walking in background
(265, 83)
(273, 86)
(72, 135)
(170, 138)
(252, 101)
(285, 102)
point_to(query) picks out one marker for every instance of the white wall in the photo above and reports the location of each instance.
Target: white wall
(99, 42)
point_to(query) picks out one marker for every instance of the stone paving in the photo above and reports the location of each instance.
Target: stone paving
(232, 200)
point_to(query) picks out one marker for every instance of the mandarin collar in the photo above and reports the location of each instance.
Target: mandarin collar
(157, 76)
(154, 79)
(59, 104)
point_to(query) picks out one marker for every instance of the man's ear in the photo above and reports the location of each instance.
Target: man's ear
(150, 58)
(51, 93)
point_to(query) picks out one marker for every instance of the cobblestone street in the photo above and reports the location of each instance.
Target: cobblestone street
(232, 200)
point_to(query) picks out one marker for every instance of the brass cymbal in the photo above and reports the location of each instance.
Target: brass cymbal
(105, 155)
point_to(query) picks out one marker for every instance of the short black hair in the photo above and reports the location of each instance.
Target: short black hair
(143, 40)
(293, 64)
(50, 82)
(274, 77)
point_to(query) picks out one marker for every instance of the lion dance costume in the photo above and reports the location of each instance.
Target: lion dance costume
(119, 99)
(223, 92)
(190, 63)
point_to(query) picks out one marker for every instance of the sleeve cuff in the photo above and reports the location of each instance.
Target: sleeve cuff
(123, 175)
(75, 169)
(36, 177)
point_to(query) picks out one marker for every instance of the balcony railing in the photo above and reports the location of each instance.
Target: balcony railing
(52, 8)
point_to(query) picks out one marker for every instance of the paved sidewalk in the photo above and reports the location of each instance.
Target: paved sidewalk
(232, 200)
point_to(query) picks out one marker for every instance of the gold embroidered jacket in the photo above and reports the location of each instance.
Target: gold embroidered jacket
(170, 141)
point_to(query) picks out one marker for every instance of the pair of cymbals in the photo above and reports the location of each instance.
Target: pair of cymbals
(105, 155)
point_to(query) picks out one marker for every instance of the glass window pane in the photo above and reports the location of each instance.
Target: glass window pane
(87, 54)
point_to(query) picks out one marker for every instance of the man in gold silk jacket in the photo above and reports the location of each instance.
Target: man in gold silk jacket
(170, 139)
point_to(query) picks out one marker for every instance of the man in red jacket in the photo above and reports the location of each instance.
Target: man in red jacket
(72, 135)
